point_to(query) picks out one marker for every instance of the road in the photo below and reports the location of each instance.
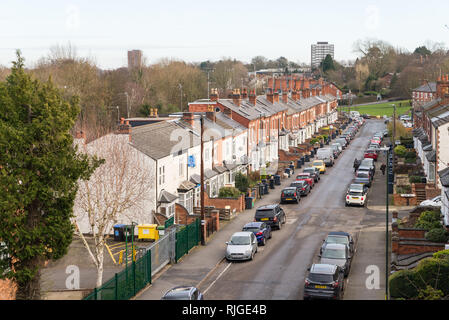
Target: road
(279, 269)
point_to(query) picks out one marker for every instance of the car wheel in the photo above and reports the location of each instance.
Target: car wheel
(263, 242)
(279, 225)
(270, 235)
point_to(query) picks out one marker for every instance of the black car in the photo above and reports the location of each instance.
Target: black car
(272, 214)
(302, 186)
(325, 281)
(314, 172)
(290, 194)
(183, 293)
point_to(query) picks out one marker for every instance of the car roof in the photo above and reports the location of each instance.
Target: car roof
(289, 188)
(323, 268)
(268, 206)
(338, 233)
(253, 224)
(242, 234)
(181, 290)
(336, 246)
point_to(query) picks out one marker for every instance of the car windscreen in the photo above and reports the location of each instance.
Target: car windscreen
(177, 296)
(317, 164)
(309, 170)
(264, 213)
(362, 175)
(298, 184)
(251, 229)
(240, 240)
(320, 278)
(334, 254)
(303, 176)
(355, 193)
(288, 192)
(337, 239)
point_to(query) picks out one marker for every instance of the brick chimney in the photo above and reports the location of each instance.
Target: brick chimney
(228, 112)
(244, 93)
(124, 128)
(443, 87)
(236, 97)
(80, 135)
(276, 97)
(252, 97)
(189, 118)
(285, 97)
(214, 94)
(270, 96)
(211, 116)
(295, 95)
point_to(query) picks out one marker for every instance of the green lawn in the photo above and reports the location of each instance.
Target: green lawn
(382, 109)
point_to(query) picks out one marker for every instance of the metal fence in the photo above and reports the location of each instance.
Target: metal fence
(187, 238)
(163, 251)
(126, 283)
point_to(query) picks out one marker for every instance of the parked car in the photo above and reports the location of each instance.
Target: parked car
(339, 237)
(363, 177)
(273, 215)
(241, 246)
(368, 169)
(435, 202)
(339, 146)
(369, 163)
(320, 165)
(338, 254)
(342, 141)
(290, 194)
(302, 186)
(356, 197)
(261, 230)
(371, 154)
(306, 177)
(327, 156)
(324, 281)
(314, 172)
(336, 147)
(183, 293)
(357, 187)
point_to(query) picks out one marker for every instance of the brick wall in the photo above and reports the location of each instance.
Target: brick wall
(221, 203)
(182, 215)
(400, 201)
(7, 290)
(412, 233)
(287, 156)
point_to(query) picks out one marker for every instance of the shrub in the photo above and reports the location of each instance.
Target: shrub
(429, 220)
(401, 285)
(444, 254)
(410, 155)
(242, 182)
(429, 293)
(438, 235)
(410, 160)
(415, 179)
(229, 192)
(400, 151)
(434, 272)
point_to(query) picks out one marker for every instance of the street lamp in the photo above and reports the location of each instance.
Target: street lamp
(387, 150)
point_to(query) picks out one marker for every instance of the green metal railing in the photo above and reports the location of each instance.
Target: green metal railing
(126, 283)
(187, 238)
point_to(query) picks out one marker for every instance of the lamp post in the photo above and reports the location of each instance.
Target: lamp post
(203, 242)
(387, 150)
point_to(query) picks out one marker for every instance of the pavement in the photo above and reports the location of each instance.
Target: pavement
(279, 268)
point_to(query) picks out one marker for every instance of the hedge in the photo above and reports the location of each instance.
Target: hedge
(401, 285)
(438, 235)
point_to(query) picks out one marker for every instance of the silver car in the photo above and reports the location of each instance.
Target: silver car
(337, 254)
(242, 246)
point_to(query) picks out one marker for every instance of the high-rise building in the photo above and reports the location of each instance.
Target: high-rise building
(320, 51)
(134, 59)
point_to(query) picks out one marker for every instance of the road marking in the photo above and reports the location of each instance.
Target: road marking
(219, 276)
(291, 221)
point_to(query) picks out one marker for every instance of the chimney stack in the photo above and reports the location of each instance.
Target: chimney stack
(270, 96)
(252, 97)
(276, 97)
(294, 95)
(124, 128)
(214, 94)
(285, 97)
(236, 98)
(189, 118)
(211, 116)
(244, 93)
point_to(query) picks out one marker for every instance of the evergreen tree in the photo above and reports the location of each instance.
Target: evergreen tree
(327, 64)
(422, 51)
(39, 173)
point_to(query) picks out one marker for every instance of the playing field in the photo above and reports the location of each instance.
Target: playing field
(402, 107)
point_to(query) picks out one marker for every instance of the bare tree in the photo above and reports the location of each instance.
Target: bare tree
(117, 191)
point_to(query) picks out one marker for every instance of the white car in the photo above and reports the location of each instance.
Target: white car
(356, 195)
(242, 246)
(435, 202)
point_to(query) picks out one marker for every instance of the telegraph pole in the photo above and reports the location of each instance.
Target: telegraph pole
(203, 242)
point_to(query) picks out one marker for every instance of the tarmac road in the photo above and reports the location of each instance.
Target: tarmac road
(278, 270)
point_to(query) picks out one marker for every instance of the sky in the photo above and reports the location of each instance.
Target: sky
(201, 30)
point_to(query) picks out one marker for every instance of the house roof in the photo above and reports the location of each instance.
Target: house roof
(208, 173)
(220, 169)
(167, 197)
(444, 177)
(186, 186)
(159, 140)
(427, 87)
(439, 116)
(432, 156)
(195, 178)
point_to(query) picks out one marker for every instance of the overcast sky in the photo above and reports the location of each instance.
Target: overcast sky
(202, 30)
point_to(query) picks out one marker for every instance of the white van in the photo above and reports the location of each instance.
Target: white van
(327, 155)
(354, 114)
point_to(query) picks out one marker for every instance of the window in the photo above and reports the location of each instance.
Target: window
(186, 200)
(206, 154)
(431, 172)
(162, 175)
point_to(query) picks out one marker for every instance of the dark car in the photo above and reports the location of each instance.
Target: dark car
(338, 254)
(325, 281)
(290, 194)
(339, 237)
(183, 293)
(261, 230)
(272, 214)
(302, 186)
(363, 177)
(314, 172)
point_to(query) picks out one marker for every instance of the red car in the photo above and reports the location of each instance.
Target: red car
(306, 177)
(376, 141)
(371, 154)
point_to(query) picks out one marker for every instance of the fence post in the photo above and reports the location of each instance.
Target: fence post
(116, 286)
(95, 293)
(134, 278)
(149, 265)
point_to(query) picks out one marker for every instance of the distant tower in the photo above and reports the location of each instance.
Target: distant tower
(320, 51)
(134, 59)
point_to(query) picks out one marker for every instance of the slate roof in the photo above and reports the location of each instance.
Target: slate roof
(167, 197)
(159, 140)
(427, 87)
(441, 117)
(186, 186)
(195, 178)
(444, 177)
(220, 169)
(432, 156)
